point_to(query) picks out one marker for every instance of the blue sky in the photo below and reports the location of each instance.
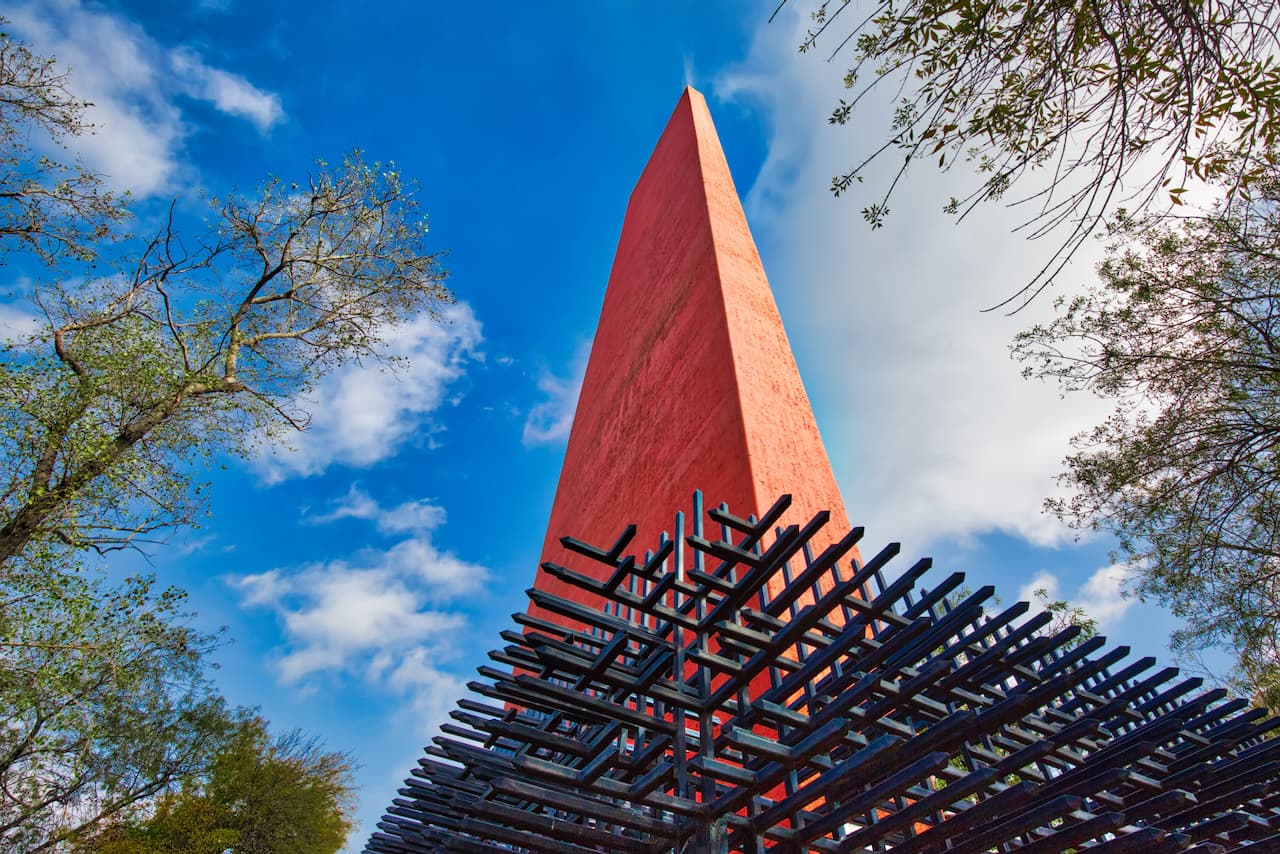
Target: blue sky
(363, 576)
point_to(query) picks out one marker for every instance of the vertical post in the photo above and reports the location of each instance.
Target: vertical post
(713, 839)
(706, 720)
(679, 748)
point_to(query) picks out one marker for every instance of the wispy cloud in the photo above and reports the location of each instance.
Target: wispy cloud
(230, 93)
(933, 432)
(17, 323)
(432, 692)
(381, 615)
(364, 413)
(340, 617)
(135, 85)
(418, 516)
(191, 544)
(550, 420)
(690, 73)
(1101, 597)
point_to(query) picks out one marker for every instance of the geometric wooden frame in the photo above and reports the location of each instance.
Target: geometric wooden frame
(737, 692)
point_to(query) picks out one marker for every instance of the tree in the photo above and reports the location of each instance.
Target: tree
(203, 343)
(259, 795)
(153, 358)
(1184, 332)
(1083, 104)
(202, 348)
(53, 210)
(103, 703)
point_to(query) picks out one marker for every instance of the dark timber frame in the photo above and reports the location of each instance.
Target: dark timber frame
(693, 710)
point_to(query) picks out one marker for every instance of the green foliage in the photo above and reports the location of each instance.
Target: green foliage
(1184, 332)
(152, 359)
(172, 349)
(53, 210)
(1066, 616)
(204, 350)
(258, 796)
(1083, 104)
(103, 702)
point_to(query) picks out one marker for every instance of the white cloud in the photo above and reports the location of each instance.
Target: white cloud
(1042, 581)
(444, 574)
(16, 323)
(1101, 597)
(550, 420)
(362, 414)
(263, 588)
(379, 615)
(134, 84)
(408, 517)
(933, 433)
(230, 93)
(341, 614)
(433, 692)
(192, 544)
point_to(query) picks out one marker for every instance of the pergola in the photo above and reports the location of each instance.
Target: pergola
(735, 691)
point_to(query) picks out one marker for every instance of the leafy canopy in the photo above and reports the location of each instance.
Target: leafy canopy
(103, 702)
(103, 697)
(1184, 333)
(50, 209)
(258, 795)
(152, 359)
(1082, 104)
(204, 346)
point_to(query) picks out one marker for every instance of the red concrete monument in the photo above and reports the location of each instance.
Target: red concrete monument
(691, 382)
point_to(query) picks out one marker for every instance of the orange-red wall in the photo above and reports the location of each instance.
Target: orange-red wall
(691, 382)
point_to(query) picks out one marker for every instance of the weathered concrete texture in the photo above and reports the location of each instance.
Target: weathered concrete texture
(691, 382)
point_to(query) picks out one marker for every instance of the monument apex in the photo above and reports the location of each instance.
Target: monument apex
(691, 383)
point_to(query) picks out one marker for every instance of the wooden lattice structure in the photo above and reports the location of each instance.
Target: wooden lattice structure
(740, 693)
